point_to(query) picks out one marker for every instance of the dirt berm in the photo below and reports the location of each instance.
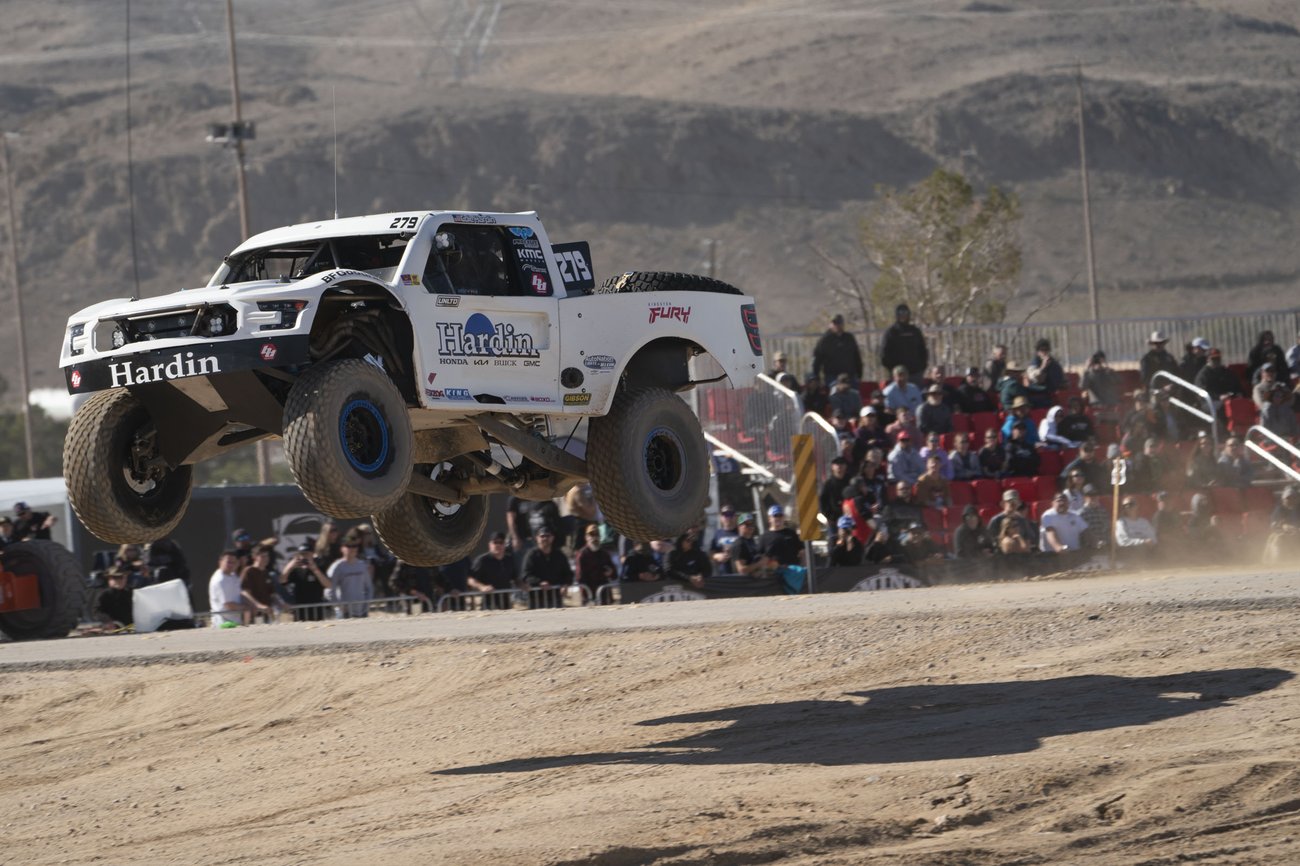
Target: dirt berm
(1148, 719)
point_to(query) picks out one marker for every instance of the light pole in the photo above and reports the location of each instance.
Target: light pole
(234, 135)
(1087, 214)
(23, 385)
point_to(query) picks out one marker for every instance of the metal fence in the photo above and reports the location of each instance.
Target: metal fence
(1124, 341)
(757, 423)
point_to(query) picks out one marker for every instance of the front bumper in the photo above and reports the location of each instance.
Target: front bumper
(182, 361)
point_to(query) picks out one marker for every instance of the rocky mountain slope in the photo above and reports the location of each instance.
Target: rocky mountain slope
(661, 130)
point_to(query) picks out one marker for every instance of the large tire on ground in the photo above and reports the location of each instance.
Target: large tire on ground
(664, 281)
(347, 438)
(63, 590)
(429, 532)
(648, 464)
(117, 485)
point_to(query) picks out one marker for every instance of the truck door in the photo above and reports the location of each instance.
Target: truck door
(488, 319)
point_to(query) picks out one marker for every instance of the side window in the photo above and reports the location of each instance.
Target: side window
(469, 260)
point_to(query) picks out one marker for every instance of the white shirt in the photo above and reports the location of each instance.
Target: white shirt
(1132, 531)
(1069, 528)
(223, 589)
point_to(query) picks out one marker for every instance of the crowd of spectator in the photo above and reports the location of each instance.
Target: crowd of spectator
(1013, 458)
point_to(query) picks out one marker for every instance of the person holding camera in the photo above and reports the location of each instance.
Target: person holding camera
(308, 584)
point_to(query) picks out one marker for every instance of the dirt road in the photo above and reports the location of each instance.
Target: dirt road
(1146, 720)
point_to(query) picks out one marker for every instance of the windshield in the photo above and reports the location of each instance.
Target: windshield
(293, 261)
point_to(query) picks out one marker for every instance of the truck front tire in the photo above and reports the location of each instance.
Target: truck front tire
(649, 467)
(63, 591)
(347, 438)
(428, 532)
(117, 484)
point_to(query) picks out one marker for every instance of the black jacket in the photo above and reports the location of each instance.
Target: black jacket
(905, 345)
(835, 354)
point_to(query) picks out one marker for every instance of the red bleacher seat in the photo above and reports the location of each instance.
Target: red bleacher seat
(987, 491)
(1037, 416)
(960, 423)
(1045, 485)
(952, 516)
(1240, 371)
(1072, 380)
(953, 381)
(932, 518)
(1026, 487)
(988, 512)
(860, 529)
(1038, 508)
(981, 421)
(1242, 413)
(962, 493)
(1129, 381)
(866, 389)
(1259, 499)
(1049, 462)
(1227, 501)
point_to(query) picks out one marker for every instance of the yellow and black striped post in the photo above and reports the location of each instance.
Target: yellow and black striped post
(805, 496)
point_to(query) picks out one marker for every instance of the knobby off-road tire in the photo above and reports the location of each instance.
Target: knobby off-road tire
(428, 532)
(115, 502)
(648, 464)
(63, 590)
(664, 281)
(347, 438)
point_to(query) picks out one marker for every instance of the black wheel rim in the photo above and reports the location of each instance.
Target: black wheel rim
(665, 459)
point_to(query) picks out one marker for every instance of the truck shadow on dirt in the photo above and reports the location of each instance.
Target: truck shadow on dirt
(923, 722)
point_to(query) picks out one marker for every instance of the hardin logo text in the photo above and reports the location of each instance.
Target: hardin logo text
(125, 373)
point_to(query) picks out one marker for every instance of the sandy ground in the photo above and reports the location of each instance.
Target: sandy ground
(1095, 721)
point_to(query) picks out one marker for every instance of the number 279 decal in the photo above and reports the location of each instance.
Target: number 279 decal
(404, 223)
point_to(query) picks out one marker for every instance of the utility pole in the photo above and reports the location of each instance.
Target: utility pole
(235, 135)
(24, 391)
(1087, 214)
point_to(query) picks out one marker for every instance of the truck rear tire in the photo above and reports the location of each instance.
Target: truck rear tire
(649, 467)
(429, 532)
(63, 590)
(347, 438)
(114, 490)
(664, 281)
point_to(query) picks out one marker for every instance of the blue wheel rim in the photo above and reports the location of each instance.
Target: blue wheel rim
(363, 434)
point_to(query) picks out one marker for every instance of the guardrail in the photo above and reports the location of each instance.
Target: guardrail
(569, 595)
(1208, 415)
(1287, 468)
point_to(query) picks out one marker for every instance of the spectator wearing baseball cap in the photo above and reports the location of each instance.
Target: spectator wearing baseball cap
(1061, 530)
(1194, 358)
(1265, 350)
(1216, 378)
(830, 499)
(972, 395)
(903, 345)
(1097, 517)
(847, 550)
(29, 524)
(1157, 358)
(905, 462)
(780, 542)
(837, 352)
(845, 396)
(1019, 527)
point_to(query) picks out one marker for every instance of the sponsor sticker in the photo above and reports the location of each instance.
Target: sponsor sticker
(267, 351)
(410, 279)
(433, 393)
(432, 376)
(480, 337)
(75, 378)
(599, 363)
(448, 301)
(521, 231)
(749, 318)
(516, 399)
(126, 373)
(666, 310)
(474, 219)
(345, 272)
(541, 400)
(457, 394)
(541, 285)
(577, 399)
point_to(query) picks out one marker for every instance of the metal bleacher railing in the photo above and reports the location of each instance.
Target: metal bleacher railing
(754, 426)
(1204, 412)
(1123, 340)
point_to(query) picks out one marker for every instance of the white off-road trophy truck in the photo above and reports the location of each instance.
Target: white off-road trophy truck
(413, 363)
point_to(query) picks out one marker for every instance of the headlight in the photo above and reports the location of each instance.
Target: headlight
(288, 310)
(215, 325)
(75, 333)
(119, 338)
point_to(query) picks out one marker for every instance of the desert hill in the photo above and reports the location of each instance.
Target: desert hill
(656, 128)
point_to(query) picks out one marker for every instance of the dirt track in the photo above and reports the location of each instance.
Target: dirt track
(1086, 721)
